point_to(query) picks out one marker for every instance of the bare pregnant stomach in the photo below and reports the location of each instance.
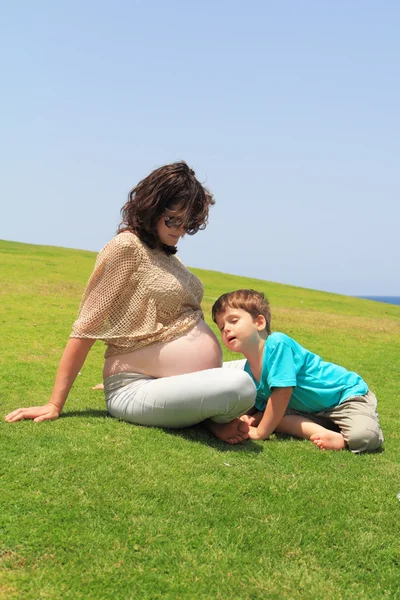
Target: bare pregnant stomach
(197, 350)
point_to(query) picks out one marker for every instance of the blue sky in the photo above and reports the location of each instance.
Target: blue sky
(288, 111)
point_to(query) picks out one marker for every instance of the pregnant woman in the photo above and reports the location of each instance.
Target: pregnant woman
(162, 362)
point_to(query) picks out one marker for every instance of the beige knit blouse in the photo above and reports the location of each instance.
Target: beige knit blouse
(136, 297)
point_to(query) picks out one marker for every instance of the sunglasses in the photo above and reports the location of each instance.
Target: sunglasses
(176, 223)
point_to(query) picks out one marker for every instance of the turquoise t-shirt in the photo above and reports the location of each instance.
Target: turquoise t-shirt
(317, 385)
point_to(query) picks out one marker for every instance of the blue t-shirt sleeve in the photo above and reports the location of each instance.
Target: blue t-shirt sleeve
(281, 368)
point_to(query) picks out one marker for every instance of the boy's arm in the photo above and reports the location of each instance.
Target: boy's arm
(273, 413)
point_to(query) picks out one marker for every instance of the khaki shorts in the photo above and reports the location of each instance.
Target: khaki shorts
(356, 418)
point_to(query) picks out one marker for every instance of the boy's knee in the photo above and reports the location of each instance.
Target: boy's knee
(365, 440)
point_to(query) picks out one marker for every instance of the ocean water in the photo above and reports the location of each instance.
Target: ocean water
(387, 299)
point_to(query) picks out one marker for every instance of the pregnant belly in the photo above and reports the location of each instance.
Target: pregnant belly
(199, 349)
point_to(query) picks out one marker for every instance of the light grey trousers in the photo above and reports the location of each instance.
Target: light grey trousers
(182, 400)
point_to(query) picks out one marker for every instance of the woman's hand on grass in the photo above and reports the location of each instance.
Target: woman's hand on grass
(48, 412)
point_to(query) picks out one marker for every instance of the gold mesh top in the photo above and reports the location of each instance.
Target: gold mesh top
(136, 297)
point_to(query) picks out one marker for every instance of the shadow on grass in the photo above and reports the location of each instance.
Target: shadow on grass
(199, 433)
(100, 414)
(196, 433)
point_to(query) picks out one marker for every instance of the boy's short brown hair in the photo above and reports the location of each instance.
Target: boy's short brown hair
(255, 303)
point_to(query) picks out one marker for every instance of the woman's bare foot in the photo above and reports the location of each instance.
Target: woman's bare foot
(99, 386)
(234, 432)
(329, 440)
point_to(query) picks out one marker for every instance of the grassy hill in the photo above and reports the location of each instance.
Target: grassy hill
(91, 507)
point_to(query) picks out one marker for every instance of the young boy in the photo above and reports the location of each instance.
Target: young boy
(297, 392)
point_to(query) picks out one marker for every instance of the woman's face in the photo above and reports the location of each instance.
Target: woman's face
(169, 227)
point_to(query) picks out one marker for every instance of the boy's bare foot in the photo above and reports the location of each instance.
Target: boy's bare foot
(99, 386)
(329, 440)
(234, 432)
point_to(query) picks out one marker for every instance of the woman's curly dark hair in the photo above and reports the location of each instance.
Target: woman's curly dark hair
(169, 187)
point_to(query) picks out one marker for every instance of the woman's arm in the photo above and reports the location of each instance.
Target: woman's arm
(71, 362)
(273, 413)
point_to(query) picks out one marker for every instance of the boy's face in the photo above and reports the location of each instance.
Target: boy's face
(239, 330)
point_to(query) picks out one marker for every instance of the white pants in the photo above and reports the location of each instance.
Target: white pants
(182, 400)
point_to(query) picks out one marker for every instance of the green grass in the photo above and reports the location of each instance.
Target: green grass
(91, 507)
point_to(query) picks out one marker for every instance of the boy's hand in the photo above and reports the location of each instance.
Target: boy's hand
(254, 434)
(273, 413)
(253, 419)
(249, 419)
